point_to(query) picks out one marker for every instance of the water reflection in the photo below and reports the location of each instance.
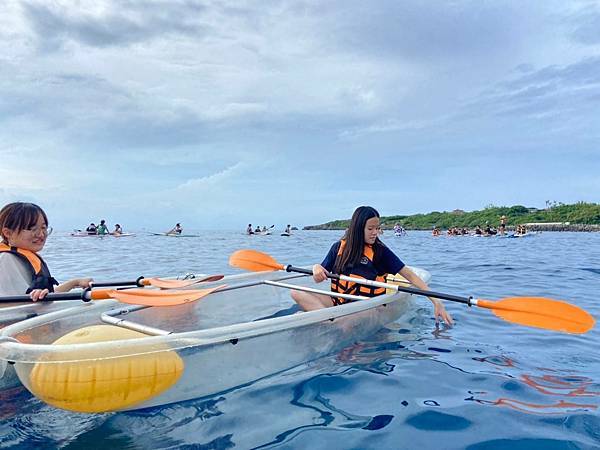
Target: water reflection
(316, 394)
(571, 386)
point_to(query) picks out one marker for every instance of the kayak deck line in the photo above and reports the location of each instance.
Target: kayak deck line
(109, 317)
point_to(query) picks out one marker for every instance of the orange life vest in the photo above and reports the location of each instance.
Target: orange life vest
(364, 269)
(40, 274)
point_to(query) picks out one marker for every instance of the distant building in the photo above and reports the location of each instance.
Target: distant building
(458, 212)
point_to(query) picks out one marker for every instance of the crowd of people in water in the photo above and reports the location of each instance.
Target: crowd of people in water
(487, 230)
(264, 230)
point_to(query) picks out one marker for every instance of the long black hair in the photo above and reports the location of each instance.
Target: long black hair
(355, 239)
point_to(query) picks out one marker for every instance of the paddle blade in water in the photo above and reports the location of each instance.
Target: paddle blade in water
(179, 284)
(160, 298)
(254, 261)
(541, 312)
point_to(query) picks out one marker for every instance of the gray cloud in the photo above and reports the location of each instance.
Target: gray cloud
(451, 31)
(122, 23)
(552, 90)
(586, 26)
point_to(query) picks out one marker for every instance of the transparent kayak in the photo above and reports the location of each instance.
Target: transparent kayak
(107, 356)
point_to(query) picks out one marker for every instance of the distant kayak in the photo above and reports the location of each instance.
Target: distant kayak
(84, 234)
(285, 234)
(175, 235)
(521, 235)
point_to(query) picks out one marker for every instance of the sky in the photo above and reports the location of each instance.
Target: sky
(217, 114)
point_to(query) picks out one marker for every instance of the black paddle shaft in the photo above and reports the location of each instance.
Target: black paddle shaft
(48, 298)
(137, 283)
(409, 290)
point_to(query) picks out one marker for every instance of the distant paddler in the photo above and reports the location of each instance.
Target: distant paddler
(360, 253)
(502, 227)
(521, 230)
(488, 230)
(399, 230)
(24, 229)
(287, 231)
(102, 229)
(118, 230)
(249, 229)
(176, 229)
(91, 229)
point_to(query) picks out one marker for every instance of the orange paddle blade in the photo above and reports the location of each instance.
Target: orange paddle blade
(254, 261)
(178, 284)
(541, 312)
(100, 294)
(160, 298)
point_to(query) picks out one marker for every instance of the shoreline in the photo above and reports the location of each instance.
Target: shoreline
(531, 227)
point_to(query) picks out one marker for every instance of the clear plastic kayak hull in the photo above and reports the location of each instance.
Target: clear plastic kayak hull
(227, 339)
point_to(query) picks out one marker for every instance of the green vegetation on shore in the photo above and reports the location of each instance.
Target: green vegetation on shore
(578, 213)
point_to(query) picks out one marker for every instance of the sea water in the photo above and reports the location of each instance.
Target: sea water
(483, 384)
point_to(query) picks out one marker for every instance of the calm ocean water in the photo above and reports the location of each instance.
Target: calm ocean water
(484, 384)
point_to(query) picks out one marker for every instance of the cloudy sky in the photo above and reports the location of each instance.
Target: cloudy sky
(220, 113)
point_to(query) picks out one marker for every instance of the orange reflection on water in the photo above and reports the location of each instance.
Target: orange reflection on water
(552, 385)
(572, 386)
(559, 407)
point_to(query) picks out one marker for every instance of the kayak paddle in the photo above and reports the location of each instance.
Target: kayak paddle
(146, 297)
(160, 283)
(539, 312)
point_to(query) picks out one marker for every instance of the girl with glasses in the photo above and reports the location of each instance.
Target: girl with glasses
(24, 230)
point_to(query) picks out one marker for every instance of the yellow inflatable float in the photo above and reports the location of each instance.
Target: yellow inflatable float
(103, 383)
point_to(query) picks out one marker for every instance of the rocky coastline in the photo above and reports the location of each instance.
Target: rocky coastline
(561, 227)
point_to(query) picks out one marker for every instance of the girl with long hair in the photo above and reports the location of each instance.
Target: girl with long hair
(361, 253)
